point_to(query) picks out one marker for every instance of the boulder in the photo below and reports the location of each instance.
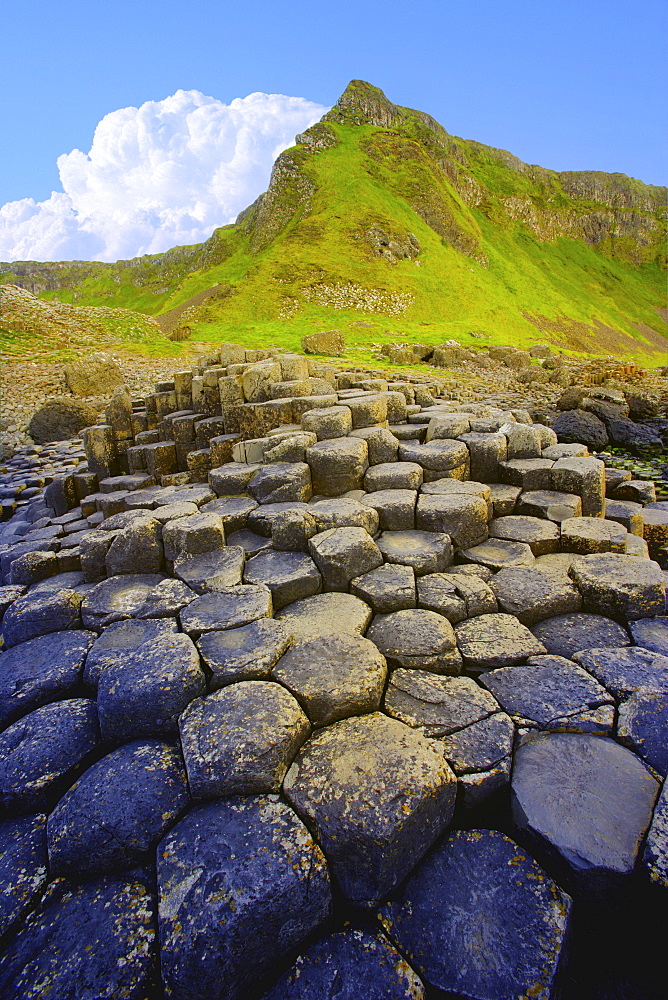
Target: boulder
(60, 419)
(341, 554)
(40, 613)
(225, 870)
(325, 342)
(622, 586)
(581, 427)
(480, 918)
(378, 795)
(94, 375)
(337, 466)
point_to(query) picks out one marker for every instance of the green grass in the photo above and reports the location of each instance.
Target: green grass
(478, 269)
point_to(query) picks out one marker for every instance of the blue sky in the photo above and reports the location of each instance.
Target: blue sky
(568, 85)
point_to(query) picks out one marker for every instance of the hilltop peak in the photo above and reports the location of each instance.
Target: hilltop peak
(362, 102)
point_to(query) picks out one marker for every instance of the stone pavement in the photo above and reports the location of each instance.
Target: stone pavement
(315, 684)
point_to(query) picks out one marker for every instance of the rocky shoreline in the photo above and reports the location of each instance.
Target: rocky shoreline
(319, 683)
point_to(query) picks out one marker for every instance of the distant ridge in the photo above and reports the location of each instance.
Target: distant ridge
(379, 214)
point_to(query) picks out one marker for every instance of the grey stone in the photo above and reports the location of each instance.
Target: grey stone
(343, 512)
(586, 478)
(333, 677)
(393, 476)
(498, 640)
(417, 638)
(553, 693)
(620, 585)
(424, 551)
(226, 869)
(241, 739)
(282, 482)
(642, 726)
(230, 608)
(498, 553)
(565, 635)
(289, 576)
(395, 508)
(291, 530)
(382, 444)
(329, 422)
(592, 535)
(378, 794)
(480, 746)
(118, 641)
(144, 694)
(387, 588)
(117, 598)
(113, 816)
(542, 536)
(208, 572)
(165, 600)
(550, 504)
(324, 614)
(246, 653)
(437, 705)
(623, 671)
(527, 473)
(60, 419)
(626, 513)
(137, 548)
(23, 866)
(338, 465)
(585, 800)
(651, 633)
(341, 554)
(533, 596)
(463, 518)
(479, 918)
(193, 535)
(486, 452)
(263, 518)
(655, 856)
(232, 479)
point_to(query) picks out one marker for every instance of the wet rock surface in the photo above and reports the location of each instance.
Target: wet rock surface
(455, 646)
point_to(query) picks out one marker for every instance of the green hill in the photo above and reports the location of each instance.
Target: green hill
(379, 223)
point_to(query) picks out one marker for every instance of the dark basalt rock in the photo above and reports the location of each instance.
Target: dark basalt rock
(290, 576)
(23, 871)
(118, 641)
(479, 918)
(41, 670)
(565, 635)
(41, 753)
(227, 870)
(624, 671)
(243, 654)
(228, 608)
(39, 614)
(117, 811)
(349, 965)
(642, 726)
(144, 694)
(587, 802)
(117, 598)
(91, 940)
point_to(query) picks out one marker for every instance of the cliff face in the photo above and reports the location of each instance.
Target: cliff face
(378, 208)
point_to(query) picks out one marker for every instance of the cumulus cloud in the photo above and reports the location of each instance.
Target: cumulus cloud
(161, 175)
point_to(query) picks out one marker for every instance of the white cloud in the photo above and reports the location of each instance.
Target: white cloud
(164, 174)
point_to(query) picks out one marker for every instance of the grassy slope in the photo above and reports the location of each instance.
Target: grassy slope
(377, 177)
